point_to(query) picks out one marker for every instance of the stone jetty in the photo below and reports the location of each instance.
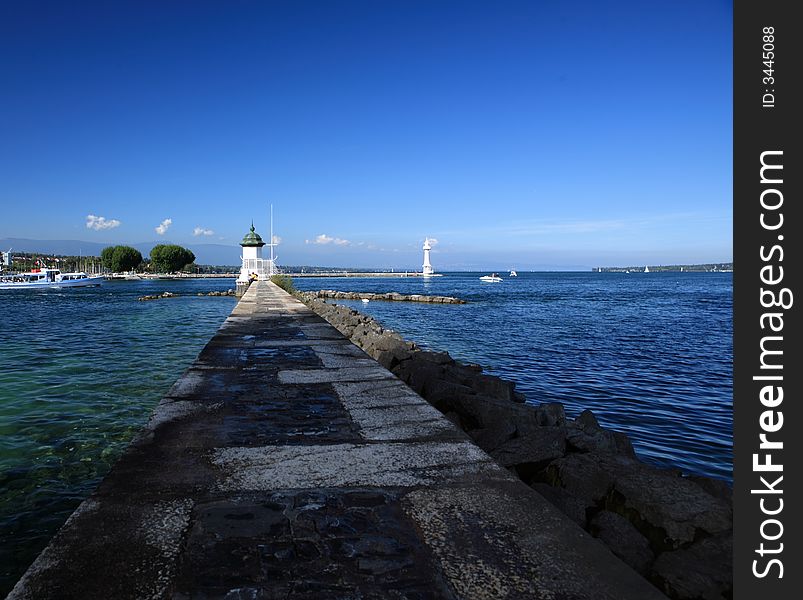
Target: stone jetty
(287, 463)
(388, 296)
(677, 531)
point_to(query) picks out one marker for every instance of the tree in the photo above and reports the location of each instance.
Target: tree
(120, 258)
(167, 258)
(106, 257)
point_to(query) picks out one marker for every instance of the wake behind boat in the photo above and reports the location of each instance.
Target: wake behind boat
(48, 278)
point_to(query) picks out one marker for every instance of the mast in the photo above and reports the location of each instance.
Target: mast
(272, 244)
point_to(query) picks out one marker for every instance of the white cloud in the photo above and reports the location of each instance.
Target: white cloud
(200, 231)
(433, 242)
(98, 223)
(162, 227)
(324, 239)
(277, 239)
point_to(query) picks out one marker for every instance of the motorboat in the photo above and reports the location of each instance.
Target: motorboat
(48, 278)
(513, 273)
(492, 278)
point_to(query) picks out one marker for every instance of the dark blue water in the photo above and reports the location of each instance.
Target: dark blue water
(650, 353)
(80, 371)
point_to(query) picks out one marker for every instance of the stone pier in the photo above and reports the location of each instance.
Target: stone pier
(286, 463)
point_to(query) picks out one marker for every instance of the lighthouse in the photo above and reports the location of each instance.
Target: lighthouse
(253, 265)
(427, 267)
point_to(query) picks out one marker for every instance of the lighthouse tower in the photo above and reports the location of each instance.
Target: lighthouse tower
(253, 266)
(427, 267)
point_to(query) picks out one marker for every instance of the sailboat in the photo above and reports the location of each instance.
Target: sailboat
(646, 269)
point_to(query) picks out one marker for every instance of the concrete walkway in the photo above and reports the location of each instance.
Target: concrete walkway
(285, 463)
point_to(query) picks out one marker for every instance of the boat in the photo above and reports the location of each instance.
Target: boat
(513, 273)
(646, 269)
(492, 278)
(48, 278)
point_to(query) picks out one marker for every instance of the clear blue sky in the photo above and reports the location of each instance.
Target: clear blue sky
(544, 135)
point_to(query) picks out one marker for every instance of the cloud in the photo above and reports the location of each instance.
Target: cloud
(98, 223)
(277, 239)
(197, 231)
(433, 242)
(162, 227)
(324, 239)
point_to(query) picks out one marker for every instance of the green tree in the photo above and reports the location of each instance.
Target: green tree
(167, 258)
(120, 258)
(106, 257)
(285, 282)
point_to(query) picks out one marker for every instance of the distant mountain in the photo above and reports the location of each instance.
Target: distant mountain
(205, 254)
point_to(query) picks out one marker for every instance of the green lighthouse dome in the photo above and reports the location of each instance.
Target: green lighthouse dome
(252, 238)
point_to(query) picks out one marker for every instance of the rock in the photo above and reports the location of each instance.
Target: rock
(454, 418)
(703, 570)
(587, 422)
(438, 358)
(492, 437)
(716, 487)
(532, 452)
(390, 359)
(550, 414)
(571, 506)
(581, 476)
(490, 385)
(597, 440)
(623, 539)
(670, 510)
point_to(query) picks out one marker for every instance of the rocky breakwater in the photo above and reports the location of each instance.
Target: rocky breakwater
(675, 530)
(172, 295)
(389, 296)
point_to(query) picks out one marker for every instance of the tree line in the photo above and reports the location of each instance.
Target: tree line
(164, 258)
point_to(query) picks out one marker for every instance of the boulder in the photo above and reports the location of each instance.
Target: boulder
(550, 414)
(701, 571)
(598, 440)
(492, 437)
(716, 487)
(623, 539)
(666, 505)
(581, 476)
(571, 506)
(532, 452)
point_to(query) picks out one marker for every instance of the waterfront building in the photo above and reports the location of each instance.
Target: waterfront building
(427, 266)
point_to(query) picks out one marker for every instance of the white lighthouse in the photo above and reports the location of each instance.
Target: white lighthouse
(253, 264)
(427, 267)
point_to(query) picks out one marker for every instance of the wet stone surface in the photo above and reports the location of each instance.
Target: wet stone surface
(259, 358)
(286, 464)
(321, 544)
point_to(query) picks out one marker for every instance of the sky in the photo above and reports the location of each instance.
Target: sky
(517, 134)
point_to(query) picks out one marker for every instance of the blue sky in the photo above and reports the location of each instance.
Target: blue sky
(534, 135)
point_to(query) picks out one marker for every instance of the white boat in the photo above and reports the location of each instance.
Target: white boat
(48, 278)
(492, 278)
(646, 269)
(513, 273)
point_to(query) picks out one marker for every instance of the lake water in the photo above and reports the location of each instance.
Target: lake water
(80, 370)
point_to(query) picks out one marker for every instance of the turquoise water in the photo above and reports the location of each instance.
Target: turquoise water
(80, 371)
